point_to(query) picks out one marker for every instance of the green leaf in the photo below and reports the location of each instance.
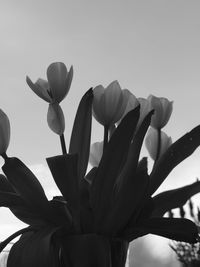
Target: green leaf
(20, 208)
(175, 198)
(81, 133)
(111, 163)
(119, 250)
(175, 154)
(25, 183)
(128, 201)
(86, 250)
(8, 199)
(64, 171)
(34, 249)
(5, 184)
(173, 228)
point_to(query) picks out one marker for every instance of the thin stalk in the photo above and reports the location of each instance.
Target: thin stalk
(63, 146)
(105, 139)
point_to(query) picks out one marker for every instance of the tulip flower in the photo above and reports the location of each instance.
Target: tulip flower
(54, 91)
(96, 152)
(57, 86)
(152, 142)
(109, 103)
(163, 109)
(4, 132)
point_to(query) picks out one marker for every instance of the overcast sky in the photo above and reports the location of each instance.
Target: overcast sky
(149, 46)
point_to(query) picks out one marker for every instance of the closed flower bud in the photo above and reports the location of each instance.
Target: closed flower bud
(108, 103)
(96, 152)
(4, 132)
(163, 109)
(151, 142)
(57, 86)
(55, 118)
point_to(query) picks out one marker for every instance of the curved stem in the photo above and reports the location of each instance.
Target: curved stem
(4, 243)
(63, 146)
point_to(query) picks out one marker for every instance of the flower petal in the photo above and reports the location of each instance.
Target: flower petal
(57, 78)
(40, 88)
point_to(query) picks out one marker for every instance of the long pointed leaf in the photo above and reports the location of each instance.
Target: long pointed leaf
(173, 228)
(81, 133)
(34, 249)
(20, 209)
(175, 154)
(5, 185)
(25, 183)
(130, 197)
(172, 199)
(111, 162)
(64, 171)
(8, 199)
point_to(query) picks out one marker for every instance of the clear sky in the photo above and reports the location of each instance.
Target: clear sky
(149, 46)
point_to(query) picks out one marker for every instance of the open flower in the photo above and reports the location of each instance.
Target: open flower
(54, 91)
(57, 86)
(96, 152)
(4, 132)
(109, 103)
(163, 109)
(151, 142)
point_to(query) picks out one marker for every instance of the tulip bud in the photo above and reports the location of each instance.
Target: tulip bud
(55, 118)
(108, 103)
(163, 109)
(57, 86)
(96, 152)
(4, 132)
(151, 142)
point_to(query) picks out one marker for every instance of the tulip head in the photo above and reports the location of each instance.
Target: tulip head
(96, 152)
(57, 85)
(4, 132)
(163, 109)
(55, 118)
(151, 142)
(108, 103)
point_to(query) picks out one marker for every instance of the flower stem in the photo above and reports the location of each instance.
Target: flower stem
(63, 146)
(105, 140)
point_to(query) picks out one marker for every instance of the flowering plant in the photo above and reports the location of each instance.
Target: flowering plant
(98, 212)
